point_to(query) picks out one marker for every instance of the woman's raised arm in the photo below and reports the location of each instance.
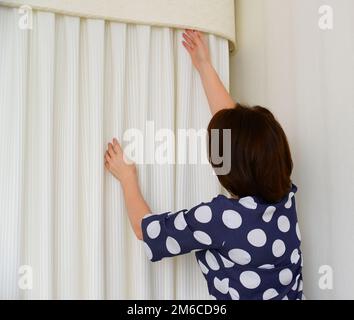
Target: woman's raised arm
(218, 97)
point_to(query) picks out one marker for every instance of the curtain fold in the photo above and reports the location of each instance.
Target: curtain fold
(66, 88)
(66, 163)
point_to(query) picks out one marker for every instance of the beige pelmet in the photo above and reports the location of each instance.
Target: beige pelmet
(212, 16)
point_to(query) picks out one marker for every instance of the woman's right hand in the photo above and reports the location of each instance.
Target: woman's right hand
(197, 46)
(218, 96)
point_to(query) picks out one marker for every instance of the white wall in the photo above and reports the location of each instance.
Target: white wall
(306, 77)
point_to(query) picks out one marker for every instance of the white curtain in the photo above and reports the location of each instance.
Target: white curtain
(306, 76)
(66, 88)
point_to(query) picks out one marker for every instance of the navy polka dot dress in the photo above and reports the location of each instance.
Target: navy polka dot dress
(246, 249)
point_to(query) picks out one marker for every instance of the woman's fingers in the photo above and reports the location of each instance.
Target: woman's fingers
(189, 49)
(188, 38)
(188, 41)
(193, 35)
(107, 158)
(192, 39)
(113, 150)
(116, 146)
(110, 150)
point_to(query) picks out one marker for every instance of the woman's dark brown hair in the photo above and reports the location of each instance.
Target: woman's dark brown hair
(261, 163)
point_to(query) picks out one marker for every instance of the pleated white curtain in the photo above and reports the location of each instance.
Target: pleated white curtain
(66, 88)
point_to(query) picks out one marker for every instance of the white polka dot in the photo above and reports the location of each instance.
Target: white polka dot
(211, 261)
(234, 294)
(285, 298)
(231, 219)
(285, 277)
(296, 283)
(180, 222)
(203, 267)
(203, 214)
(257, 238)
(248, 203)
(278, 248)
(267, 267)
(148, 251)
(283, 224)
(212, 297)
(268, 214)
(298, 233)
(227, 263)
(270, 294)
(250, 279)
(295, 256)
(301, 285)
(202, 237)
(221, 285)
(172, 246)
(153, 229)
(289, 203)
(240, 256)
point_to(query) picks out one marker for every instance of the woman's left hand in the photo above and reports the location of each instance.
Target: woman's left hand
(117, 164)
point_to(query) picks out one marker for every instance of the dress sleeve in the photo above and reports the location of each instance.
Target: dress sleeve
(171, 234)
